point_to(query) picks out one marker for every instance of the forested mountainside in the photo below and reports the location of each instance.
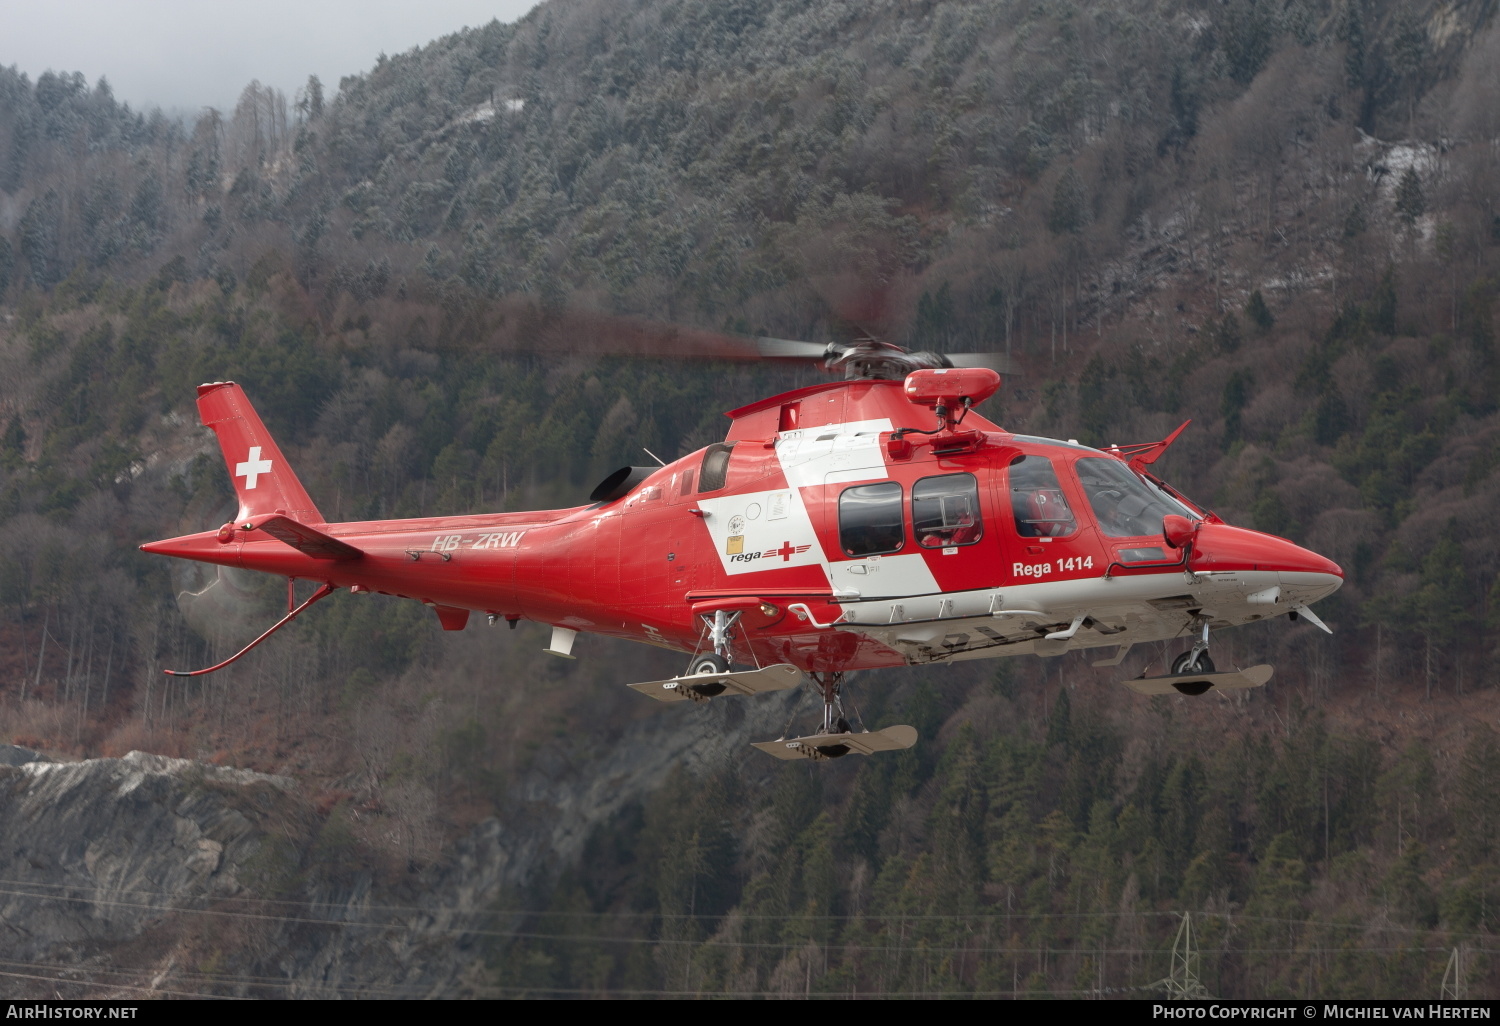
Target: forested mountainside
(1278, 219)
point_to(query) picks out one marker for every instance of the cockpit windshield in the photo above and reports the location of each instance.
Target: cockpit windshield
(1125, 504)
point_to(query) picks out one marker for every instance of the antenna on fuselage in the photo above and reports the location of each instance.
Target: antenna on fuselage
(653, 455)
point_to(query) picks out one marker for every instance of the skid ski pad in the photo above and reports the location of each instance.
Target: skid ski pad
(832, 746)
(702, 686)
(1198, 683)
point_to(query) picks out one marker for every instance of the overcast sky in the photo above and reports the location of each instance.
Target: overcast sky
(185, 54)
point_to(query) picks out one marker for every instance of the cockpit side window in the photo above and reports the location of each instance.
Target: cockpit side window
(1036, 498)
(1124, 504)
(945, 511)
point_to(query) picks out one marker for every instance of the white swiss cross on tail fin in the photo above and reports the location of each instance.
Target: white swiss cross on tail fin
(262, 479)
(253, 467)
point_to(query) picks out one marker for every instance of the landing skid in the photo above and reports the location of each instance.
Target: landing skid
(703, 686)
(834, 740)
(1198, 683)
(833, 746)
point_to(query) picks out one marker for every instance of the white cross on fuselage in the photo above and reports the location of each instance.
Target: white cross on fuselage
(253, 467)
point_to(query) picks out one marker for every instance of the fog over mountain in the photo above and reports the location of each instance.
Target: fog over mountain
(184, 56)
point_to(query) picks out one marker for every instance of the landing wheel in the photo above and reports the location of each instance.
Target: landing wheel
(708, 662)
(840, 726)
(1186, 664)
(704, 665)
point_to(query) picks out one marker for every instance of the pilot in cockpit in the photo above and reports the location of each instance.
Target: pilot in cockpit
(1037, 500)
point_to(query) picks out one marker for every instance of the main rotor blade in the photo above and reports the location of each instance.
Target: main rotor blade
(520, 325)
(516, 325)
(787, 348)
(997, 362)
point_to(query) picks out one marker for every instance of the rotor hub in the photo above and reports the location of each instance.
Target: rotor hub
(868, 359)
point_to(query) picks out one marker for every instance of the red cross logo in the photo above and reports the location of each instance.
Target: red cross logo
(786, 551)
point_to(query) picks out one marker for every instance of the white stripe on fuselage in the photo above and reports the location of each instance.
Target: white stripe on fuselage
(852, 451)
(893, 576)
(765, 530)
(762, 531)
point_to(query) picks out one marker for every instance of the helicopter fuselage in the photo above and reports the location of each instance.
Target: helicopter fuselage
(843, 531)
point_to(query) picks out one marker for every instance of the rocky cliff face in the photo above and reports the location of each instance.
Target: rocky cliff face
(98, 854)
(147, 875)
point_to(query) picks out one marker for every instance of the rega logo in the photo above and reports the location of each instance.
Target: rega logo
(744, 557)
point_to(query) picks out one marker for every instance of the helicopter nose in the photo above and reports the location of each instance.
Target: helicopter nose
(1221, 547)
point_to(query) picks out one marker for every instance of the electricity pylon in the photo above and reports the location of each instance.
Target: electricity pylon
(1182, 984)
(1455, 977)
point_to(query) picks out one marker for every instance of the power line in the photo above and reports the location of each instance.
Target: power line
(120, 986)
(585, 938)
(904, 917)
(522, 989)
(914, 949)
(281, 983)
(595, 938)
(614, 992)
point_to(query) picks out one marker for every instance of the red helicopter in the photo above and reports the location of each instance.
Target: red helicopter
(867, 522)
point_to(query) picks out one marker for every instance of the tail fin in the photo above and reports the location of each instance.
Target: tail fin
(262, 478)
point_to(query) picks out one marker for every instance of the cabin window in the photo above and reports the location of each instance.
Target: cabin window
(1125, 505)
(1037, 500)
(1144, 554)
(715, 470)
(945, 511)
(870, 519)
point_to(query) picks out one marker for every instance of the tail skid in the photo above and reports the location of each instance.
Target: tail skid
(322, 593)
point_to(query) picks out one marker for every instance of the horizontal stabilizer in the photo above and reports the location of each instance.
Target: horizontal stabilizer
(698, 687)
(1198, 683)
(832, 746)
(306, 539)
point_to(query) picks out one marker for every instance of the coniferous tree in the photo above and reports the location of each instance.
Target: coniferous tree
(1069, 211)
(1411, 201)
(1259, 313)
(1236, 397)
